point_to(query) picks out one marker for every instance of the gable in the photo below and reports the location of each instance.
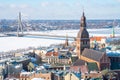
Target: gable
(105, 59)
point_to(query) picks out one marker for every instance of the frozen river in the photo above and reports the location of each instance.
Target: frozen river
(13, 43)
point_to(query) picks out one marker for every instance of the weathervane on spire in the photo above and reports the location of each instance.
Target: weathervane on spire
(83, 9)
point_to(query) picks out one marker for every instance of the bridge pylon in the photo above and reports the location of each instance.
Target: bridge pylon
(20, 26)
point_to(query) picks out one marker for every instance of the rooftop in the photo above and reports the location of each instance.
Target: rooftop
(52, 54)
(77, 74)
(92, 66)
(97, 38)
(79, 63)
(92, 54)
(113, 53)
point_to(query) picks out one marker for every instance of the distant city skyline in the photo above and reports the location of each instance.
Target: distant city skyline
(60, 10)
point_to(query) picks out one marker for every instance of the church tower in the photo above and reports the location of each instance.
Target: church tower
(66, 42)
(82, 40)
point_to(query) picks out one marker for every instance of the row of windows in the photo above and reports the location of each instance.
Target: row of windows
(84, 42)
(115, 59)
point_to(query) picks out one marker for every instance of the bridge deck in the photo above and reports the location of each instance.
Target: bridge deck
(49, 35)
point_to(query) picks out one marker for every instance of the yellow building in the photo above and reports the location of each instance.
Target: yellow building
(72, 76)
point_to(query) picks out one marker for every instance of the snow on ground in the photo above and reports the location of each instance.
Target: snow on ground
(13, 43)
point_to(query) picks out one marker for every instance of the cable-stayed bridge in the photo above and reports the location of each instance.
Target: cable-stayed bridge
(20, 32)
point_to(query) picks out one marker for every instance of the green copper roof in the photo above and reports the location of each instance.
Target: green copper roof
(92, 66)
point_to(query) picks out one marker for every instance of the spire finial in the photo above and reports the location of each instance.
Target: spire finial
(83, 10)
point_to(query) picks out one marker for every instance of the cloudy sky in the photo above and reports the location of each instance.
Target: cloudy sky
(60, 9)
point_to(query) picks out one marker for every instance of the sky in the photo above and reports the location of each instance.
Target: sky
(60, 9)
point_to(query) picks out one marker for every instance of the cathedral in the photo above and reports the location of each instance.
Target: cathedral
(85, 53)
(82, 40)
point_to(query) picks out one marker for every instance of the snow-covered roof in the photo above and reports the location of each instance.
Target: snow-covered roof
(26, 73)
(113, 53)
(40, 68)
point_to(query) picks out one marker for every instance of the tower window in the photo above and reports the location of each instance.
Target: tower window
(84, 42)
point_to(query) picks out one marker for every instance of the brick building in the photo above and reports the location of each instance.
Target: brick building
(87, 55)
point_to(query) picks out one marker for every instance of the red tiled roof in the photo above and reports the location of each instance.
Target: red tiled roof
(52, 54)
(97, 38)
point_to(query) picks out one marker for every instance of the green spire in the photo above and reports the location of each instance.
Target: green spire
(113, 32)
